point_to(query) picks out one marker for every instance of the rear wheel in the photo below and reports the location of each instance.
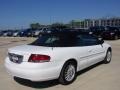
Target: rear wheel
(108, 57)
(68, 73)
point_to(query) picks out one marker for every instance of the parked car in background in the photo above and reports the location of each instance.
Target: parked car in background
(25, 33)
(111, 33)
(97, 30)
(31, 32)
(15, 33)
(57, 55)
(44, 30)
(119, 30)
(10, 33)
(39, 32)
(1, 33)
(36, 33)
(4, 33)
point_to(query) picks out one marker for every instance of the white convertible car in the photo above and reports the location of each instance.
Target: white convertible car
(57, 55)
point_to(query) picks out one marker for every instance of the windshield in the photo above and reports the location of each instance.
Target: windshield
(54, 41)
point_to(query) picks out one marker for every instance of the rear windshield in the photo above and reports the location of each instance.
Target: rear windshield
(55, 41)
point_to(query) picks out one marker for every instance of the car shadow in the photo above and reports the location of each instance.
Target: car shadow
(44, 84)
(50, 83)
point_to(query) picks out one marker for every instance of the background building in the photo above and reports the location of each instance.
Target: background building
(115, 22)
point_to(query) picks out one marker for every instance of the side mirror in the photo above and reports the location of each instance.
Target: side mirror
(100, 40)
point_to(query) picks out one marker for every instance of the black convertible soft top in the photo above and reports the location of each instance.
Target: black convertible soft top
(67, 32)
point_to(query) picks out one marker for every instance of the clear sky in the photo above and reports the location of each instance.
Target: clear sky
(20, 13)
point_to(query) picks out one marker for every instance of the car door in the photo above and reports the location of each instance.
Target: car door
(81, 54)
(95, 50)
(96, 54)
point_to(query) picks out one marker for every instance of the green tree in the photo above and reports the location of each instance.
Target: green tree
(35, 26)
(75, 24)
(59, 26)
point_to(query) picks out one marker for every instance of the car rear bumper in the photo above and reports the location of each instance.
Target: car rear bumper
(33, 73)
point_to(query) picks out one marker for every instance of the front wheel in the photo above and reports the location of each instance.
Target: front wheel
(108, 57)
(68, 73)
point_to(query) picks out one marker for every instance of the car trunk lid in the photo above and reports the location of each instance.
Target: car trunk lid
(25, 51)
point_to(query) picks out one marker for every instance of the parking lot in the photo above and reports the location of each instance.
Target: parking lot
(97, 77)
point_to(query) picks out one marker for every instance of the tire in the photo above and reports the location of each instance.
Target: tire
(108, 57)
(68, 73)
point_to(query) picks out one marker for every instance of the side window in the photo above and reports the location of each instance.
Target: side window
(86, 40)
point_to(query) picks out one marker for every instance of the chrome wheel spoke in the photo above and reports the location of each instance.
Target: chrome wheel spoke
(70, 73)
(109, 56)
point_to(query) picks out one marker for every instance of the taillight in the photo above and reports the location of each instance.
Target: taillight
(39, 58)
